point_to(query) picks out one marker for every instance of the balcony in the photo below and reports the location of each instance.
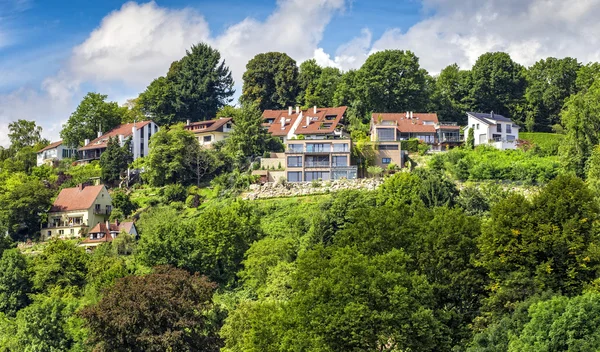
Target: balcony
(314, 164)
(102, 211)
(64, 226)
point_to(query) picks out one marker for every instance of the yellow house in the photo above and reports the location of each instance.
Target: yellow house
(211, 131)
(77, 209)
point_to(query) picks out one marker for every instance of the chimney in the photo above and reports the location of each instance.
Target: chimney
(80, 187)
(108, 226)
(297, 109)
(121, 140)
(315, 109)
(282, 120)
(407, 115)
(307, 120)
(99, 134)
(188, 123)
(411, 114)
(492, 114)
(289, 110)
(86, 142)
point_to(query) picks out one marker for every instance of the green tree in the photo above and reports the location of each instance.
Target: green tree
(497, 84)
(550, 82)
(170, 309)
(15, 283)
(121, 200)
(321, 92)
(62, 264)
(470, 144)
(450, 94)
(23, 133)
(173, 157)
(270, 81)
(93, 114)
(592, 172)
(308, 73)
(115, 160)
(392, 81)
(249, 138)
(587, 75)
(581, 119)
(157, 102)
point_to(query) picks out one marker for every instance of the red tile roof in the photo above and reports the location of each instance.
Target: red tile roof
(207, 126)
(124, 130)
(409, 125)
(108, 237)
(76, 198)
(50, 146)
(318, 123)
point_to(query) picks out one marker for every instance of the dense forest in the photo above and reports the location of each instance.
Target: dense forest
(474, 249)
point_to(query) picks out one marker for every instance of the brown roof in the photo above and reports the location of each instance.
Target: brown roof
(101, 228)
(207, 126)
(50, 146)
(76, 198)
(317, 124)
(124, 130)
(409, 125)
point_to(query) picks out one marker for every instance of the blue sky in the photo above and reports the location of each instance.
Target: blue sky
(53, 52)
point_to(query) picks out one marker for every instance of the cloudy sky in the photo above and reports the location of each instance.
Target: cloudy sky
(53, 52)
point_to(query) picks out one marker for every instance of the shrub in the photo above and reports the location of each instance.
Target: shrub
(374, 171)
(423, 148)
(173, 193)
(411, 145)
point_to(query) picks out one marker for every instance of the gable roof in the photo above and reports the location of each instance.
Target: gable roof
(50, 146)
(108, 237)
(489, 118)
(76, 198)
(208, 126)
(324, 121)
(124, 130)
(409, 125)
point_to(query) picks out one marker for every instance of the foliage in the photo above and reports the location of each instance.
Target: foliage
(115, 160)
(249, 138)
(270, 81)
(411, 145)
(198, 85)
(62, 264)
(94, 114)
(450, 94)
(470, 143)
(170, 309)
(374, 171)
(23, 133)
(122, 201)
(15, 283)
(548, 143)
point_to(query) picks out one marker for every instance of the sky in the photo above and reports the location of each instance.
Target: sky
(53, 52)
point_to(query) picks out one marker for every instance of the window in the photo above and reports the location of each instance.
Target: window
(97, 208)
(508, 128)
(315, 175)
(294, 161)
(61, 232)
(510, 138)
(72, 231)
(349, 174)
(330, 117)
(318, 148)
(339, 160)
(386, 161)
(142, 149)
(497, 137)
(149, 132)
(341, 147)
(294, 176)
(388, 147)
(295, 148)
(269, 121)
(473, 126)
(499, 128)
(317, 161)
(477, 126)
(207, 139)
(386, 134)
(427, 138)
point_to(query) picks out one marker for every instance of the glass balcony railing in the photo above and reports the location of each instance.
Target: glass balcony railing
(316, 164)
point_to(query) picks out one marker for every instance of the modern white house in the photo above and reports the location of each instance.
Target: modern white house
(493, 129)
(54, 152)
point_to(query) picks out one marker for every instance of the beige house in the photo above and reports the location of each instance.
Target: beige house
(77, 209)
(316, 148)
(211, 131)
(107, 232)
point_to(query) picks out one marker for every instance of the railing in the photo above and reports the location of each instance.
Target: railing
(65, 226)
(448, 124)
(332, 148)
(102, 211)
(317, 164)
(451, 139)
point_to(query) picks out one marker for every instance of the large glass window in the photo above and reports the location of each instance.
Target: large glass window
(207, 139)
(294, 161)
(318, 148)
(499, 128)
(510, 138)
(341, 147)
(508, 128)
(497, 137)
(427, 138)
(317, 161)
(388, 147)
(316, 175)
(294, 176)
(386, 134)
(295, 148)
(339, 160)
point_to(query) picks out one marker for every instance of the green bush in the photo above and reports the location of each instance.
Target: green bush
(374, 171)
(547, 143)
(173, 193)
(423, 148)
(411, 145)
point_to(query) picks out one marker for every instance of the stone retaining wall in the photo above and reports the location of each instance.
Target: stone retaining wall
(294, 189)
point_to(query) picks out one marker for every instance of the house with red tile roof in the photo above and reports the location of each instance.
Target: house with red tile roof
(107, 232)
(54, 152)
(316, 145)
(77, 209)
(211, 131)
(395, 127)
(139, 132)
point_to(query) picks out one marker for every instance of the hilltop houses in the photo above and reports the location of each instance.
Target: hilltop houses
(211, 131)
(139, 132)
(77, 209)
(105, 232)
(54, 152)
(493, 129)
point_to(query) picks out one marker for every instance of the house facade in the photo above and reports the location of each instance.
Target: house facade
(492, 129)
(211, 131)
(395, 127)
(105, 232)
(77, 209)
(54, 152)
(139, 132)
(316, 148)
